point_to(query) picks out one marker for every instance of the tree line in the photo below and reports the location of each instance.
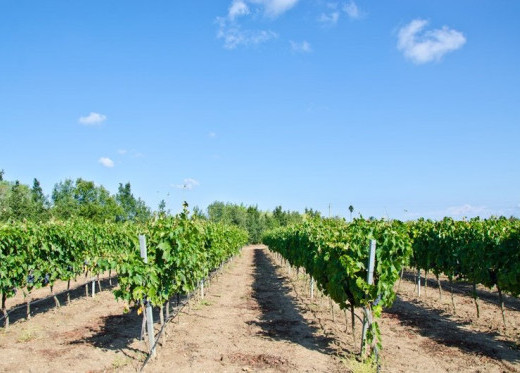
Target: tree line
(84, 199)
(252, 219)
(70, 199)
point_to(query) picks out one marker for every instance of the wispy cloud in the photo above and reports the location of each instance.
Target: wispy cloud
(187, 184)
(122, 151)
(352, 10)
(92, 119)
(237, 9)
(212, 134)
(234, 35)
(230, 28)
(274, 8)
(336, 9)
(422, 46)
(302, 47)
(107, 162)
(330, 18)
(235, 28)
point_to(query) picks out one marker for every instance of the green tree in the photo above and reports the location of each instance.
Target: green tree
(162, 208)
(5, 191)
(217, 212)
(312, 213)
(40, 202)
(199, 213)
(20, 202)
(64, 204)
(84, 199)
(131, 209)
(279, 217)
(256, 224)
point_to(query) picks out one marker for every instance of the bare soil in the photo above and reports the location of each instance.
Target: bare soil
(434, 334)
(425, 334)
(258, 316)
(250, 320)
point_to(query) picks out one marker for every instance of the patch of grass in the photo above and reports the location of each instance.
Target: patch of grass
(120, 362)
(367, 366)
(27, 335)
(201, 303)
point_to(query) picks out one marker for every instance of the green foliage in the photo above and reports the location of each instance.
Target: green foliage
(84, 199)
(250, 218)
(480, 251)
(131, 209)
(181, 251)
(19, 202)
(336, 255)
(36, 255)
(40, 202)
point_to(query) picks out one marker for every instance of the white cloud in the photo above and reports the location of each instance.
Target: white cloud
(107, 162)
(122, 151)
(270, 8)
(426, 46)
(232, 33)
(234, 36)
(329, 18)
(92, 119)
(188, 184)
(212, 134)
(237, 9)
(303, 47)
(274, 8)
(335, 11)
(352, 10)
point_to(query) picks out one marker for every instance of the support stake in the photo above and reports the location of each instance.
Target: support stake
(149, 315)
(370, 280)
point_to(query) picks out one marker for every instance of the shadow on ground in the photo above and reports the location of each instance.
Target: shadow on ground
(43, 305)
(119, 332)
(281, 317)
(438, 326)
(115, 332)
(465, 288)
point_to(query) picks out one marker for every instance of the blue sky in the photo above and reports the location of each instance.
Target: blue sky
(400, 108)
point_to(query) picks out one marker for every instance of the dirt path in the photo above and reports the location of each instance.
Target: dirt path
(249, 320)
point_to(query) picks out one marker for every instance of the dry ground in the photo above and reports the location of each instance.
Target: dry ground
(257, 316)
(425, 334)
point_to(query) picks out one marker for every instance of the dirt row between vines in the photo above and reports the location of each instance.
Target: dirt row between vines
(257, 316)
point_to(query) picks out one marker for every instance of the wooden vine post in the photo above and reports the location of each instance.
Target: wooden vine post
(4, 310)
(418, 282)
(148, 313)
